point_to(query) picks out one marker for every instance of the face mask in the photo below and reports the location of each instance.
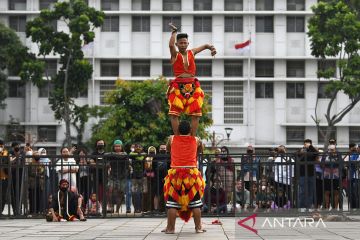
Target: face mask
(37, 158)
(63, 189)
(100, 146)
(1, 149)
(132, 149)
(162, 151)
(16, 149)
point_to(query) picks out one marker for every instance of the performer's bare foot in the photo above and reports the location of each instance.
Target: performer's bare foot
(166, 231)
(200, 229)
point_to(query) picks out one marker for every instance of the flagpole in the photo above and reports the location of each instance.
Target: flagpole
(248, 92)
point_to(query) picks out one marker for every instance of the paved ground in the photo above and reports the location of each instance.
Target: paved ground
(150, 228)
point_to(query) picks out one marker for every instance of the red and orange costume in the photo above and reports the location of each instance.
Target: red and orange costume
(185, 94)
(184, 185)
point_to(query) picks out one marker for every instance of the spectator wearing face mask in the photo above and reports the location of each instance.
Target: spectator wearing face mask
(160, 166)
(96, 169)
(4, 176)
(36, 184)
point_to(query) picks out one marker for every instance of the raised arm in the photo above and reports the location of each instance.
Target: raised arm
(203, 47)
(172, 47)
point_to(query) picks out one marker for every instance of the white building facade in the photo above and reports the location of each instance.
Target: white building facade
(266, 95)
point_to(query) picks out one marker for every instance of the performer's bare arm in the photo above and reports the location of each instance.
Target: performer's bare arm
(200, 145)
(203, 47)
(172, 47)
(168, 144)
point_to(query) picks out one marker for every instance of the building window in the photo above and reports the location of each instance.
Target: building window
(327, 68)
(17, 23)
(295, 90)
(354, 135)
(141, 5)
(171, 5)
(105, 87)
(203, 5)
(16, 89)
(264, 90)
(111, 24)
(264, 68)
(47, 4)
(110, 5)
(206, 86)
(233, 24)
(176, 20)
(50, 67)
(321, 137)
(265, 24)
(295, 24)
(233, 5)
(202, 24)
(109, 68)
(141, 23)
(295, 135)
(17, 5)
(322, 93)
(233, 68)
(167, 69)
(46, 133)
(46, 89)
(233, 102)
(295, 68)
(295, 5)
(204, 68)
(264, 5)
(140, 68)
(15, 133)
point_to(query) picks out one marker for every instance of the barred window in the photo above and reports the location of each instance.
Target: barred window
(322, 93)
(233, 5)
(167, 69)
(105, 87)
(328, 66)
(15, 133)
(110, 5)
(233, 102)
(16, 89)
(176, 20)
(111, 24)
(202, 24)
(17, 5)
(171, 5)
(203, 5)
(295, 68)
(50, 67)
(204, 68)
(47, 133)
(354, 134)
(264, 90)
(109, 68)
(233, 68)
(265, 24)
(46, 89)
(321, 139)
(17, 23)
(46, 4)
(295, 135)
(295, 5)
(140, 68)
(233, 24)
(264, 68)
(141, 23)
(295, 24)
(141, 5)
(264, 5)
(295, 90)
(206, 86)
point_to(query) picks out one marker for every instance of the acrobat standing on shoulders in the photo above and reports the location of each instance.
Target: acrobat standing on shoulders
(184, 93)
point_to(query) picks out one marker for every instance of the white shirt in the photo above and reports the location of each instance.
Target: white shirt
(67, 165)
(283, 169)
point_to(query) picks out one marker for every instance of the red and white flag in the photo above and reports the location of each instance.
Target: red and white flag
(244, 46)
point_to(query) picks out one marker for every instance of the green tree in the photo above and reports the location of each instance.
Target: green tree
(75, 71)
(137, 112)
(334, 31)
(13, 57)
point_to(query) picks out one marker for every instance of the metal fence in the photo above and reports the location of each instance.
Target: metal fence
(131, 185)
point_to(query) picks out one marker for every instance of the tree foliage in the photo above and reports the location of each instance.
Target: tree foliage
(13, 57)
(75, 71)
(137, 112)
(334, 31)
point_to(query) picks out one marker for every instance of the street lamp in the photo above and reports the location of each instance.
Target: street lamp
(228, 131)
(216, 140)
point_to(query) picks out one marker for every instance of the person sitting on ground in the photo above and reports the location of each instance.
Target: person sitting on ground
(65, 205)
(93, 207)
